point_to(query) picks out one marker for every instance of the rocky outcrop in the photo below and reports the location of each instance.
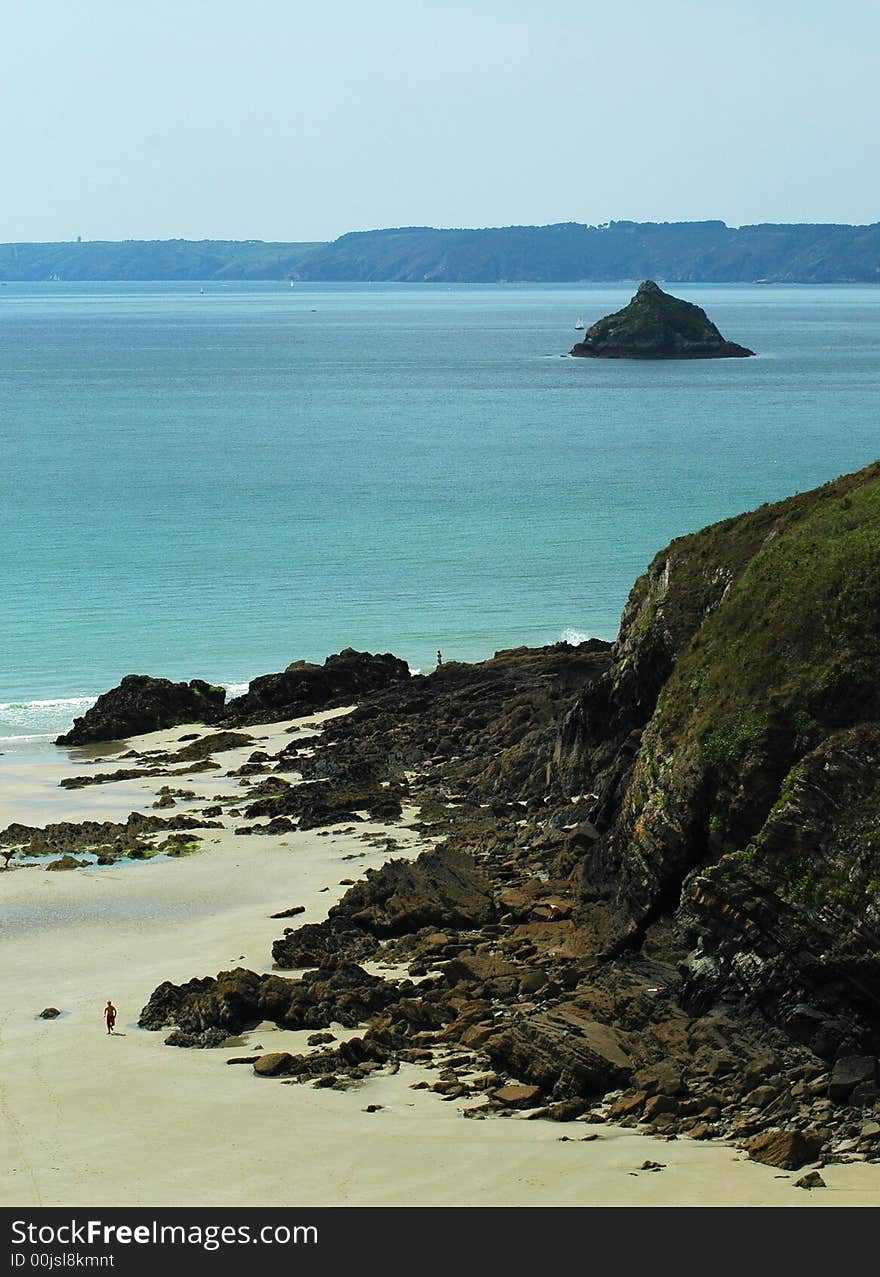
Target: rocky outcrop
(111, 837)
(304, 688)
(338, 991)
(321, 803)
(656, 325)
(214, 743)
(441, 888)
(143, 704)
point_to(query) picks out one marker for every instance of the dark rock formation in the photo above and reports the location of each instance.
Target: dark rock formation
(322, 803)
(94, 835)
(562, 1052)
(317, 942)
(337, 991)
(486, 723)
(442, 888)
(657, 326)
(214, 743)
(143, 704)
(303, 688)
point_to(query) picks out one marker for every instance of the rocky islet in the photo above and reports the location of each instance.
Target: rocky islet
(656, 325)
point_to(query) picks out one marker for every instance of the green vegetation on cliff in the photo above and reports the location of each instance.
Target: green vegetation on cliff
(793, 649)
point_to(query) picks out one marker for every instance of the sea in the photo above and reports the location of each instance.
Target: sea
(213, 480)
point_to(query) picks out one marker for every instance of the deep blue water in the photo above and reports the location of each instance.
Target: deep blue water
(217, 484)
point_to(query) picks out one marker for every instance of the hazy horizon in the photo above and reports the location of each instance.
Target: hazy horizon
(190, 119)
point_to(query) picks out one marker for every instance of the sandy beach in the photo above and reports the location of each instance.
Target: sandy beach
(92, 1119)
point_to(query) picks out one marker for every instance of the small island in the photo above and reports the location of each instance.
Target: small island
(656, 325)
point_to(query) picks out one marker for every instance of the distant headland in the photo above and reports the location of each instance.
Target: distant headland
(568, 252)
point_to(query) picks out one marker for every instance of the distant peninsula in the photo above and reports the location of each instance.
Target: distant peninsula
(146, 260)
(568, 252)
(656, 325)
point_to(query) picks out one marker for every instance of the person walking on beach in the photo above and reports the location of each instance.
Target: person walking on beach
(110, 1015)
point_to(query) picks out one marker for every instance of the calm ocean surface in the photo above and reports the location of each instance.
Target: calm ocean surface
(218, 484)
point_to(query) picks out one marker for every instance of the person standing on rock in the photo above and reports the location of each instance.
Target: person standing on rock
(439, 658)
(110, 1015)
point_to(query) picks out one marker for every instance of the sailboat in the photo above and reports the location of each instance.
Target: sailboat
(579, 326)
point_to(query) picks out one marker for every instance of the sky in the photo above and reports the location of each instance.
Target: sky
(291, 120)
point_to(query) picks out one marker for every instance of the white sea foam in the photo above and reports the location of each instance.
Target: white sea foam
(24, 739)
(41, 719)
(58, 702)
(574, 636)
(45, 718)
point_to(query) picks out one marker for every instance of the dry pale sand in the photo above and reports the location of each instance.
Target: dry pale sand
(87, 1119)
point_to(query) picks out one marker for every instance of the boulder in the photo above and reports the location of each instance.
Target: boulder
(789, 1150)
(657, 1105)
(143, 704)
(516, 1095)
(811, 1180)
(67, 862)
(660, 1079)
(49, 1013)
(561, 1051)
(272, 1064)
(849, 1072)
(656, 325)
(496, 977)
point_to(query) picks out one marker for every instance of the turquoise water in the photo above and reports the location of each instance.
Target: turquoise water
(217, 484)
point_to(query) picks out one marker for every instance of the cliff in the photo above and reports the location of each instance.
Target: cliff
(747, 674)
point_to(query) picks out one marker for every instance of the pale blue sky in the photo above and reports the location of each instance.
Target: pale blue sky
(271, 120)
